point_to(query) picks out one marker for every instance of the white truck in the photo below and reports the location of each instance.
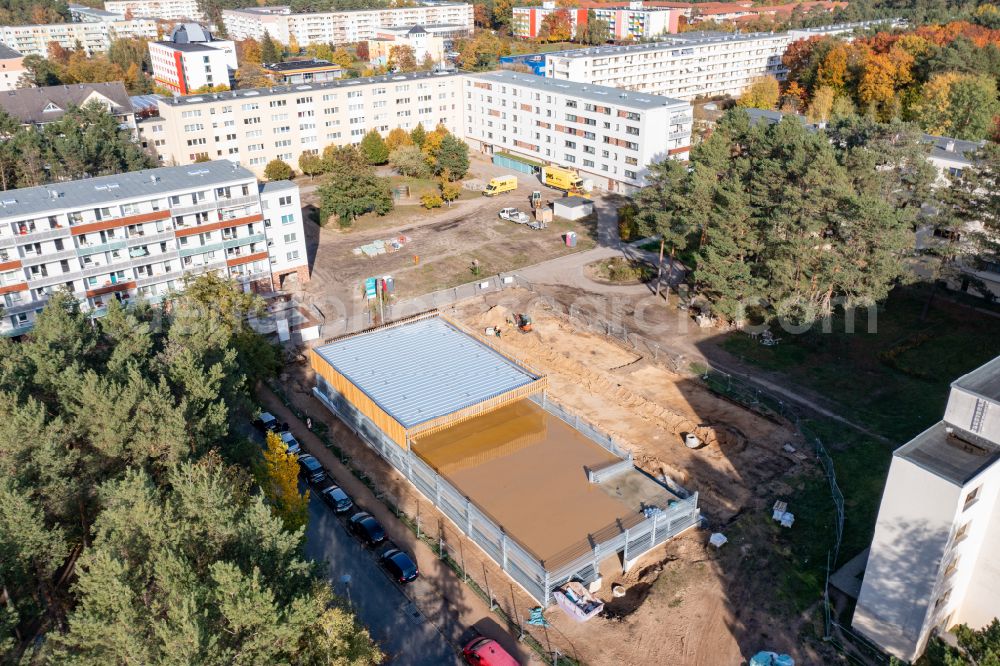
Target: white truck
(514, 215)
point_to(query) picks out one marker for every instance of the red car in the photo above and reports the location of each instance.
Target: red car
(483, 651)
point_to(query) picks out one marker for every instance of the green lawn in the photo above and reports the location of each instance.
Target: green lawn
(894, 381)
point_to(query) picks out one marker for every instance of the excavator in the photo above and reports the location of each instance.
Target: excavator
(523, 322)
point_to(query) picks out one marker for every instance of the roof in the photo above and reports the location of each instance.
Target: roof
(416, 30)
(954, 150)
(302, 87)
(673, 42)
(189, 33)
(32, 201)
(7, 53)
(285, 10)
(296, 65)
(950, 453)
(28, 104)
(276, 186)
(185, 47)
(423, 369)
(983, 381)
(586, 91)
(573, 202)
(95, 12)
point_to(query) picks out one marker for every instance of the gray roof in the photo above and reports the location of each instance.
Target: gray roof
(302, 87)
(95, 12)
(276, 186)
(573, 202)
(295, 65)
(28, 104)
(956, 150)
(422, 369)
(983, 381)
(586, 91)
(186, 47)
(678, 41)
(190, 33)
(951, 453)
(30, 202)
(6, 53)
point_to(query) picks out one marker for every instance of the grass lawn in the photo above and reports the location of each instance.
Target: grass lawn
(895, 380)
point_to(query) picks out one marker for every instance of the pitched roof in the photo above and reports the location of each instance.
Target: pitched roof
(44, 105)
(6, 53)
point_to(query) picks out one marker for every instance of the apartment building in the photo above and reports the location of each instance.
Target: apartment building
(632, 20)
(40, 106)
(192, 59)
(608, 135)
(339, 27)
(685, 66)
(11, 68)
(255, 126)
(424, 44)
(932, 563)
(94, 35)
(295, 72)
(135, 236)
(164, 10)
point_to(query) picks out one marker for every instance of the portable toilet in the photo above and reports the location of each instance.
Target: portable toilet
(571, 238)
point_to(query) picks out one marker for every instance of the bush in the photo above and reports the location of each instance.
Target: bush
(278, 170)
(409, 161)
(431, 201)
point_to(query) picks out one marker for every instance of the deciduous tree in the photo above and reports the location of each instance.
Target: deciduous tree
(410, 161)
(761, 94)
(556, 26)
(279, 479)
(278, 170)
(397, 138)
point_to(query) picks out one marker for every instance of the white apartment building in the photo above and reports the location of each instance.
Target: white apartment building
(255, 126)
(11, 68)
(93, 35)
(685, 66)
(633, 20)
(608, 135)
(164, 10)
(340, 27)
(136, 235)
(192, 59)
(933, 563)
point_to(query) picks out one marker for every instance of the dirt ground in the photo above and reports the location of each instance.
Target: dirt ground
(685, 602)
(442, 245)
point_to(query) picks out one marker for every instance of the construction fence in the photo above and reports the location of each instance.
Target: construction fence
(631, 537)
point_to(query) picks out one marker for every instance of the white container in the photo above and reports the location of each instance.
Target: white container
(691, 441)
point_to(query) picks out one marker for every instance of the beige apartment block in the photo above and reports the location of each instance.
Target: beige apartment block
(255, 126)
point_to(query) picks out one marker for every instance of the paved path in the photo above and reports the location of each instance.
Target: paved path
(423, 623)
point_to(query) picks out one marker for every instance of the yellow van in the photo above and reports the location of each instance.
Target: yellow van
(500, 185)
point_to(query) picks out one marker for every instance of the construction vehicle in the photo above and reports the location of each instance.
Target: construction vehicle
(563, 179)
(499, 185)
(523, 322)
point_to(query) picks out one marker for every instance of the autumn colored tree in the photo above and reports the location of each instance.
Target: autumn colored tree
(793, 98)
(310, 164)
(362, 51)
(761, 94)
(341, 57)
(556, 26)
(278, 170)
(397, 138)
(481, 16)
(877, 86)
(832, 71)
(402, 58)
(957, 105)
(252, 76)
(248, 51)
(279, 480)
(821, 106)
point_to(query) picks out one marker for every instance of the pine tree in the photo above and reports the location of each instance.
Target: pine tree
(451, 157)
(269, 51)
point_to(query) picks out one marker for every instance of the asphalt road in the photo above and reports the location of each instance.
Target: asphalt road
(394, 622)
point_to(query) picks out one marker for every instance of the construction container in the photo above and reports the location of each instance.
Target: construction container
(571, 238)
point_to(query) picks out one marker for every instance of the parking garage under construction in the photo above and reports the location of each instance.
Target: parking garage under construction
(541, 492)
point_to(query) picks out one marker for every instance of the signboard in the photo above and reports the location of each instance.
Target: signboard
(371, 290)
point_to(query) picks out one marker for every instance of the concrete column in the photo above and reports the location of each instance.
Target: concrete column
(503, 551)
(468, 516)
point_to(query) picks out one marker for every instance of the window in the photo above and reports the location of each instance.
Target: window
(972, 497)
(288, 238)
(284, 143)
(630, 174)
(962, 532)
(952, 566)
(293, 255)
(287, 219)
(285, 201)
(277, 102)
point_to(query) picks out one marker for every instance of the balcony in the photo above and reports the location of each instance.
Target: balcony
(245, 240)
(147, 238)
(201, 249)
(49, 257)
(86, 250)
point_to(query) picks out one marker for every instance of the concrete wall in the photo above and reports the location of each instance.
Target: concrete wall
(898, 592)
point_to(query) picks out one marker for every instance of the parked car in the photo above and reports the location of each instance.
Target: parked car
(291, 443)
(400, 565)
(267, 422)
(483, 651)
(364, 525)
(335, 497)
(311, 469)
(509, 213)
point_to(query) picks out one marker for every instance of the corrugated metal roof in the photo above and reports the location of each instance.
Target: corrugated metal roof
(423, 369)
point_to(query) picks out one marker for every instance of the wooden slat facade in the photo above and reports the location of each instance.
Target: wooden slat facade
(390, 426)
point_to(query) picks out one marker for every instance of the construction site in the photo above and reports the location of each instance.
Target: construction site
(473, 430)
(509, 434)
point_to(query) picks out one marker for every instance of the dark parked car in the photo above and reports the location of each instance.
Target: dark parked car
(311, 469)
(267, 422)
(400, 565)
(335, 497)
(366, 528)
(291, 443)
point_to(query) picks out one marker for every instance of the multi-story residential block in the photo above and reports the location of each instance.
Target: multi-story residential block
(192, 59)
(606, 134)
(93, 31)
(628, 20)
(295, 72)
(686, 66)
(164, 10)
(339, 27)
(136, 235)
(932, 563)
(39, 106)
(11, 68)
(256, 126)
